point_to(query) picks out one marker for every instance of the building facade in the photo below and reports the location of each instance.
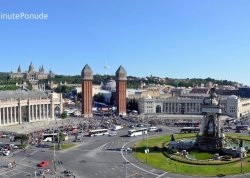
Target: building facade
(32, 74)
(231, 106)
(23, 106)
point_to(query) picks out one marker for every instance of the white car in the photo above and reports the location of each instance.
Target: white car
(112, 134)
(6, 152)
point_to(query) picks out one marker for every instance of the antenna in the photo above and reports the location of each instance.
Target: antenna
(106, 68)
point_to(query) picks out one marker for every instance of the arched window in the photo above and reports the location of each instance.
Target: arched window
(158, 109)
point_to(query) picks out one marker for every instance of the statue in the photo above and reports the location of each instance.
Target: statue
(213, 97)
(210, 127)
(241, 144)
(172, 137)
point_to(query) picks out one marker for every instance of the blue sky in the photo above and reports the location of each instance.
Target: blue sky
(166, 38)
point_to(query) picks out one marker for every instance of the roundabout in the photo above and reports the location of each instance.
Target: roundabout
(159, 158)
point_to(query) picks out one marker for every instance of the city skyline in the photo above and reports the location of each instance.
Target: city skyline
(175, 39)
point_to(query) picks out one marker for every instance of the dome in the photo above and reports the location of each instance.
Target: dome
(110, 85)
(87, 73)
(121, 74)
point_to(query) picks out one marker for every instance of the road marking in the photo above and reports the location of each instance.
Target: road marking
(162, 174)
(29, 155)
(144, 170)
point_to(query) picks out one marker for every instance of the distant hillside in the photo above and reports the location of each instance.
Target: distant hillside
(133, 82)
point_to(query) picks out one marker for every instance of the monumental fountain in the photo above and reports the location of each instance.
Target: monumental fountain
(211, 137)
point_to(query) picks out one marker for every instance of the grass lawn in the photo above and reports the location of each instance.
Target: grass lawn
(64, 146)
(157, 160)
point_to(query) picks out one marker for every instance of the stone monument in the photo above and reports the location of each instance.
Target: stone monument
(211, 138)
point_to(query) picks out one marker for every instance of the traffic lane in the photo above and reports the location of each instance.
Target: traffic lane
(94, 163)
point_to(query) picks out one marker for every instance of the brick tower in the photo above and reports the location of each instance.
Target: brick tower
(87, 79)
(121, 86)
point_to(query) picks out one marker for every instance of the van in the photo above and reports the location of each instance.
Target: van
(48, 139)
(152, 129)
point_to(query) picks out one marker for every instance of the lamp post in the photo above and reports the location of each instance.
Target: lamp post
(126, 163)
(147, 150)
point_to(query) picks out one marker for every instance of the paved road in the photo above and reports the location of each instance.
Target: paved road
(96, 157)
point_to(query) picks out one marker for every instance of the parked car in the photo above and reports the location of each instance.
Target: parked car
(43, 163)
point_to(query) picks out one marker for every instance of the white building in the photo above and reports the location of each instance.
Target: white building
(231, 106)
(24, 106)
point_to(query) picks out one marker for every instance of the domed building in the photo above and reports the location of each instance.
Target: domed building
(110, 85)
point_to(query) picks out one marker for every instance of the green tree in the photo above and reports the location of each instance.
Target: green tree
(22, 138)
(99, 98)
(59, 138)
(64, 115)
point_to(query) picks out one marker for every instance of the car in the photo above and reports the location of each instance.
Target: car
(6, 152)
(43, 163)
(112, 133)
(67, 172)
(15, 147)
(159, 130)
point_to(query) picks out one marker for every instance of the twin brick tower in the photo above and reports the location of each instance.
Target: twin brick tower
(121, 85)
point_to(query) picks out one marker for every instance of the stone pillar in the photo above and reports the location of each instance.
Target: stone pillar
(43, 110)
(40, 114)
(15, 114)
(7, 115)
(52, 109)
(4, 116)
(20, 112)
(1, 116)
(61, 103)
(35, 111)
(47, 111)
(11, 116)
(29, 112)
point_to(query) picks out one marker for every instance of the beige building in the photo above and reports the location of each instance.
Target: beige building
(24, 106)
(32, 75)
(231, 106)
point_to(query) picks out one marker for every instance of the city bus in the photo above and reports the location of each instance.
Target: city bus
(97, 132)
(190, 129)
(136, 132)
(49, 137)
